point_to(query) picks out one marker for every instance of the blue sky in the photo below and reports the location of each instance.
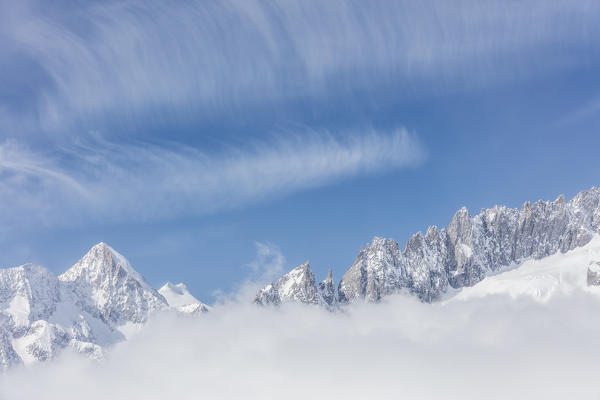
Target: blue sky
(203, 139)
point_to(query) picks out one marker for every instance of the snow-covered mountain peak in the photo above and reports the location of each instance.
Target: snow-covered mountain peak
(328, 291)
(96, 303)
(329, 277)
(27, 293)
(107, 285)
(298, 285)
(26, 272)
(378, 243)
(100, 262)
(179, 288)
(372, 272)
(179, 297)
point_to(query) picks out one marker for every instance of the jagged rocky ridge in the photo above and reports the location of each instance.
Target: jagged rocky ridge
(460, 255)
(299, 285)
(96, 303)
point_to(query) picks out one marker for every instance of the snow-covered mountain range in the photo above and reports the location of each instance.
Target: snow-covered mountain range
(97, 302)
(540, 249)
(460, 255)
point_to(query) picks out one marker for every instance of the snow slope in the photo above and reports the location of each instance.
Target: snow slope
(561, 273)
(179, 297)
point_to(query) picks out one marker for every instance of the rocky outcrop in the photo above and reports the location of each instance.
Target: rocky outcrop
(328, 290)
(8, 355)
(374, 274)
(593, 274)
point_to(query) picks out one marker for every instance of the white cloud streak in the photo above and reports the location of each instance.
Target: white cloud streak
(104, 181)
(194, 57)
(493, 347)
(268, 264)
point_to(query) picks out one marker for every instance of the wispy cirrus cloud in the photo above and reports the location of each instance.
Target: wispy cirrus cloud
(86, 61)
(102, 180)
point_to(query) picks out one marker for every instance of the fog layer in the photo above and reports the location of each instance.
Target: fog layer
(494, 347)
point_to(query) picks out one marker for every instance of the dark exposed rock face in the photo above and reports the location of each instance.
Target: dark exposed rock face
(328, 291)
(593, 274)
(470, 248)
(8, 355)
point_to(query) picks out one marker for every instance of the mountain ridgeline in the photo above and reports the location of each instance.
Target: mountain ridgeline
(462, 254)
(102, 300)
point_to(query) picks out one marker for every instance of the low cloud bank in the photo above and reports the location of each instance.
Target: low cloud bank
(493, 348)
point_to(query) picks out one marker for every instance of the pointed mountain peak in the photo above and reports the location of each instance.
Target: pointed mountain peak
(377, 241)
(299, 274)
(380, 243)
(108, 286)
(417, 236)
(415, 243)
(297, 285)
(29, 275)
(102, 260)
(177, 295)
(304, 266)
(32, 290)
(461, 214)
(179, 288)
(30, 269)
(432, 230)
(328, 291)
(103, 248)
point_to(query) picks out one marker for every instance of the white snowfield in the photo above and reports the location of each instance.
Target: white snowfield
(540, 279)
(178, 296)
